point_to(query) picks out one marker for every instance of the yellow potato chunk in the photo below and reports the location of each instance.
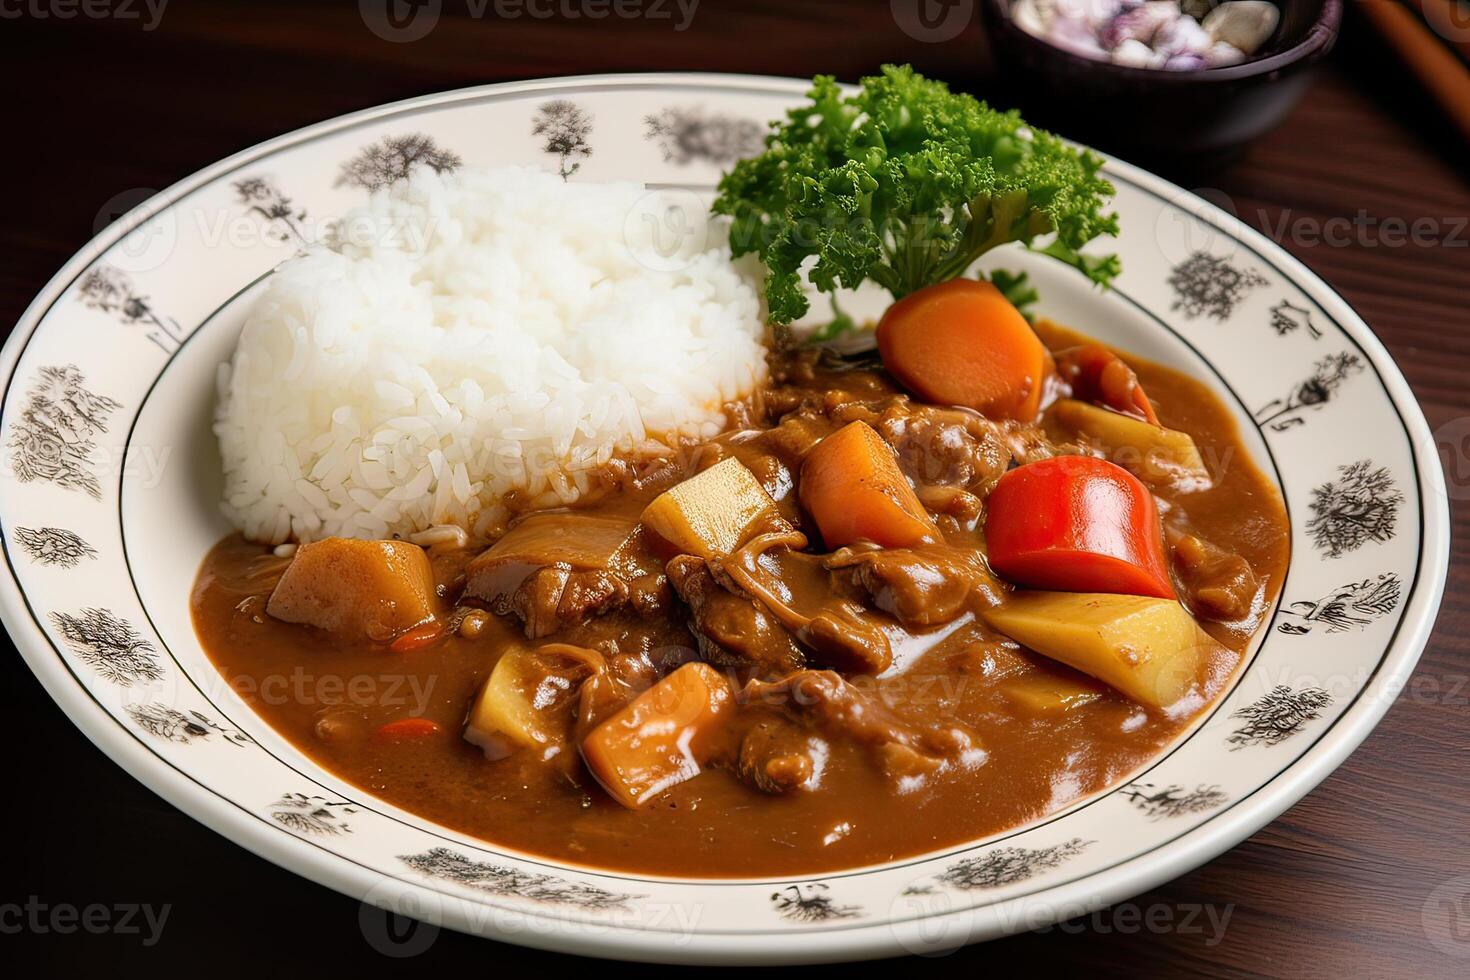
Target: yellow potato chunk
(1150, 452)
(712, 513)
(660, 739)
(528, 702)
(1150, 649)
(1047, 693)
(372, 589)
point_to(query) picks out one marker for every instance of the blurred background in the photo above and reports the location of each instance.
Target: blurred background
(1362, 176)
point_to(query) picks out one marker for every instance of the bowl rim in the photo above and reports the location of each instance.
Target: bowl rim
(1315, 43)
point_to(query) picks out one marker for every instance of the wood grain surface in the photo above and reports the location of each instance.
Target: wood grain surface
(99, 110)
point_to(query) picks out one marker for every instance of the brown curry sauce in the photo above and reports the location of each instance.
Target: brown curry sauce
(329, 696)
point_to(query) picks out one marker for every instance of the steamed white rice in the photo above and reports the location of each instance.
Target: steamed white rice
(470, 335)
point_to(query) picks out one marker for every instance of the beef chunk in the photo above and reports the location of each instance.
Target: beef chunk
(847, 642)
(779, 756)
(822, 700)
(554, 570)
(919, 588)
(555, 596)
(1216, 584)
(732, 628)
(787, 615)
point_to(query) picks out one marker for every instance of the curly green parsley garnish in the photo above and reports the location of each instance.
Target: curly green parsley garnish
(907, 183)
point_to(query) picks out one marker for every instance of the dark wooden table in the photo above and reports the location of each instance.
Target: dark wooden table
(97, 107)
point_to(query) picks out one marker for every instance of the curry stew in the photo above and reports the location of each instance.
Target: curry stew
(855, 628)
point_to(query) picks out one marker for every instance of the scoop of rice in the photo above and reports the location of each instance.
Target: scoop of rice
(473, 334)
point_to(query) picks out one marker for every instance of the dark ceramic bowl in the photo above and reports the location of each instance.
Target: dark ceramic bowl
(1152, 115)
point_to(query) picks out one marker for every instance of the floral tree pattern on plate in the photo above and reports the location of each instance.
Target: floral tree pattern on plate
(55, 438)
(54, 546)
(1361, 505)
(172, 725)
(564, 127)
(313, 815)
(1287, 317)
(1008, 865)
(108, 289)
(393, 158)
(1208, 286)
(1172, 800)
(1277, 715)
(109, 645)
(811, 903)
(1310, 395)
(1350, 607)
(501, 880)
(688, 133)
(261, 197)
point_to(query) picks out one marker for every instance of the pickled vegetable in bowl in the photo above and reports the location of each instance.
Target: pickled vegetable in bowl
(1175, 35)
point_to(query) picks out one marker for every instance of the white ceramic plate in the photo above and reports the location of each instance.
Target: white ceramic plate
(112, 480)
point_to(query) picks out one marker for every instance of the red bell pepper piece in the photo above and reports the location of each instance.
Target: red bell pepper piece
(405, 729)
(1098, 375)
(420, 636)
(1076, 524)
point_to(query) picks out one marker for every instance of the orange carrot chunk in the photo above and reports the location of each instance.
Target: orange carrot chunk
(961, 342)
(661, 738)
(852, 487)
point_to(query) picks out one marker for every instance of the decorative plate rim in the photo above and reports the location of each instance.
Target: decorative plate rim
(853, 941)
